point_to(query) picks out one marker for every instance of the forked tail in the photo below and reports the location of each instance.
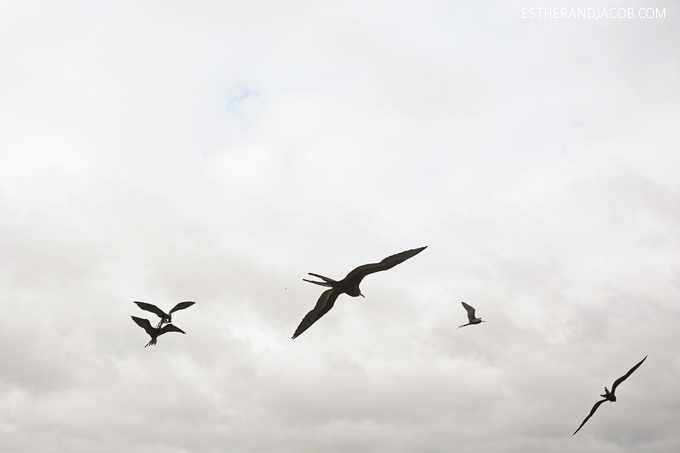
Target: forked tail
(329, 282)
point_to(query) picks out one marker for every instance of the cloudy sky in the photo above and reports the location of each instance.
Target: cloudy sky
(219, 151)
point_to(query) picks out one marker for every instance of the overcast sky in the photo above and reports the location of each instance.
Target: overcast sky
(219, 151)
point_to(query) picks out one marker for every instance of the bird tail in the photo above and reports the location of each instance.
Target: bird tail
(326, 281)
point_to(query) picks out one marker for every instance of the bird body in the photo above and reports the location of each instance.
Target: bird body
(471, 315)
(348, 285)
(155, 332)
(610, 396)
(165, 317)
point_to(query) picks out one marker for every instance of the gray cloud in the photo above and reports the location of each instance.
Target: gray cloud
(219, 152)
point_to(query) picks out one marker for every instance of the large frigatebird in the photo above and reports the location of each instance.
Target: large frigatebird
(609, 396)
(155, 332)
(165, 317)
(348, 285)
(471, 315)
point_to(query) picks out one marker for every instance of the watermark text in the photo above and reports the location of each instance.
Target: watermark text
(593, 13)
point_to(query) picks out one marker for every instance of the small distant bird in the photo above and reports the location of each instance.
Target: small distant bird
(165, 317)
(471, 315)
(153, 331)
(609, 396)
(348, 285)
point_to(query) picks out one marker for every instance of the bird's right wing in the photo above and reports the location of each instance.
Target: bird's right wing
(592, 411)
(144, 324)
(388, 263)
(153, 309)
(470, 311)
(182, 306)
(323, 305)
(170, 328)
(625, 376)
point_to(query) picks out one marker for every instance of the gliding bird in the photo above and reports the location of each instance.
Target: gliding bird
(348, 285)
(165, 317)
(471, 315)
(155, 332)
(609, 396)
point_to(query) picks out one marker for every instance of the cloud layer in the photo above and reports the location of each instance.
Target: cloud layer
(217, 153)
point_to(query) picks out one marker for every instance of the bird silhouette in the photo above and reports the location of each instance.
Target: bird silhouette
(609, 396)
(155, 332)
(348, 285)
(471, 315)
(165, 317)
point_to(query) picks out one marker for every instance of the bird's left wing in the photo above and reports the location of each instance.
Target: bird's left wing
(470, 311)
(144, 324)
(152, 308)
(323, 305)
(592, 411)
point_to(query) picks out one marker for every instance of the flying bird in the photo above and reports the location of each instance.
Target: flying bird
(471, 315)
(348, 285)
(609, 396)
(155, 332)
(165, 317)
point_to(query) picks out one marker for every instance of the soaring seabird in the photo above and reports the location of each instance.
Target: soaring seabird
(348, 285)
(609, 396)
(165, 317)
(471, 315)
(153, 331)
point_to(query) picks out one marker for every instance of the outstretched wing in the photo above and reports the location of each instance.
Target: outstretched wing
(388, 263)
(144, 324)
(625, 376)
(323, 305)
(153, 309)
(592, 411)
(182, 306)
(170, 328)
(470, 311)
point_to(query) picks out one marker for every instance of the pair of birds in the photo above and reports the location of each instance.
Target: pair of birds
(166, 318)
(350, 286)
(608, 396)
